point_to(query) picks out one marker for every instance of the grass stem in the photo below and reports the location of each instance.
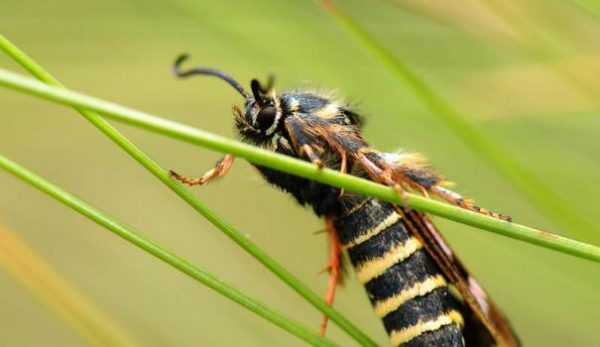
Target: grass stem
(140, 240)
(545, 198)
(225, 227)
(297, 167)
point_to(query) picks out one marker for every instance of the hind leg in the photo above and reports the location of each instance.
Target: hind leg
(458, 200)
(334, 267)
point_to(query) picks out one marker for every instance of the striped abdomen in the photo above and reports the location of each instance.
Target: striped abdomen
(405, 286)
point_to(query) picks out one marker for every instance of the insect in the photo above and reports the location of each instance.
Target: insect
(416, 284)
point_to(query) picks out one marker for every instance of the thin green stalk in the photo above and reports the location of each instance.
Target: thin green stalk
(297, 167)
(550, 202)
(185, 194)
(181, 264)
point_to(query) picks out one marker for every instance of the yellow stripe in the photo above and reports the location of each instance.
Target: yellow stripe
(330, 111)
(369, 233)
(374, 267)
(399, 337)
(382, 308)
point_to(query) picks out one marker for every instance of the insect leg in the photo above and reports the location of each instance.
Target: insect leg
(458, 200)
(379, 175)
(334, 268)
(310, 153)
(220, 169)
(343, 168)
(411, 170)
(302, 144)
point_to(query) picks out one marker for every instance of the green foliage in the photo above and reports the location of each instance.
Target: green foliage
(523, 73)
(153, 248)
(542, 195)
(298, 167)
(179, 263)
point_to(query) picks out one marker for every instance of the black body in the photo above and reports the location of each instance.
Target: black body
(416, 268)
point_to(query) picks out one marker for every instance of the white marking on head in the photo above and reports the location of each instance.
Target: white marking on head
(273, 126)
(274, 142)
(254, 115)
(285, 143)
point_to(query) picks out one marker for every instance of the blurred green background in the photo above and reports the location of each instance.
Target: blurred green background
(524, 72)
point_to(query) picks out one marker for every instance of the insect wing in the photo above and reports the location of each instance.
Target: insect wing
(483, 309)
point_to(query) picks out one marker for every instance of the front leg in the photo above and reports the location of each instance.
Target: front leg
(220, 169)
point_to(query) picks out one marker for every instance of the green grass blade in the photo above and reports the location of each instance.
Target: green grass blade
(298, 167)
(181, 264)
(547, 200)
(185, 194)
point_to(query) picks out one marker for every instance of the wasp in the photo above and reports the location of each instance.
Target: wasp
(416, 284)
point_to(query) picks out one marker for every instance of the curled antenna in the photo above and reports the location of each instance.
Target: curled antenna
(207, 71)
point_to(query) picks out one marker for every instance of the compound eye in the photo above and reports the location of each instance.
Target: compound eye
(266, 117)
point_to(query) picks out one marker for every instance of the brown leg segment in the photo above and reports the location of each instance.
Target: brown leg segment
(383, 176)
(219, 170)
(334, 267)
(310, 153)
(399, 183)
(458, 200)
(343, 168)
